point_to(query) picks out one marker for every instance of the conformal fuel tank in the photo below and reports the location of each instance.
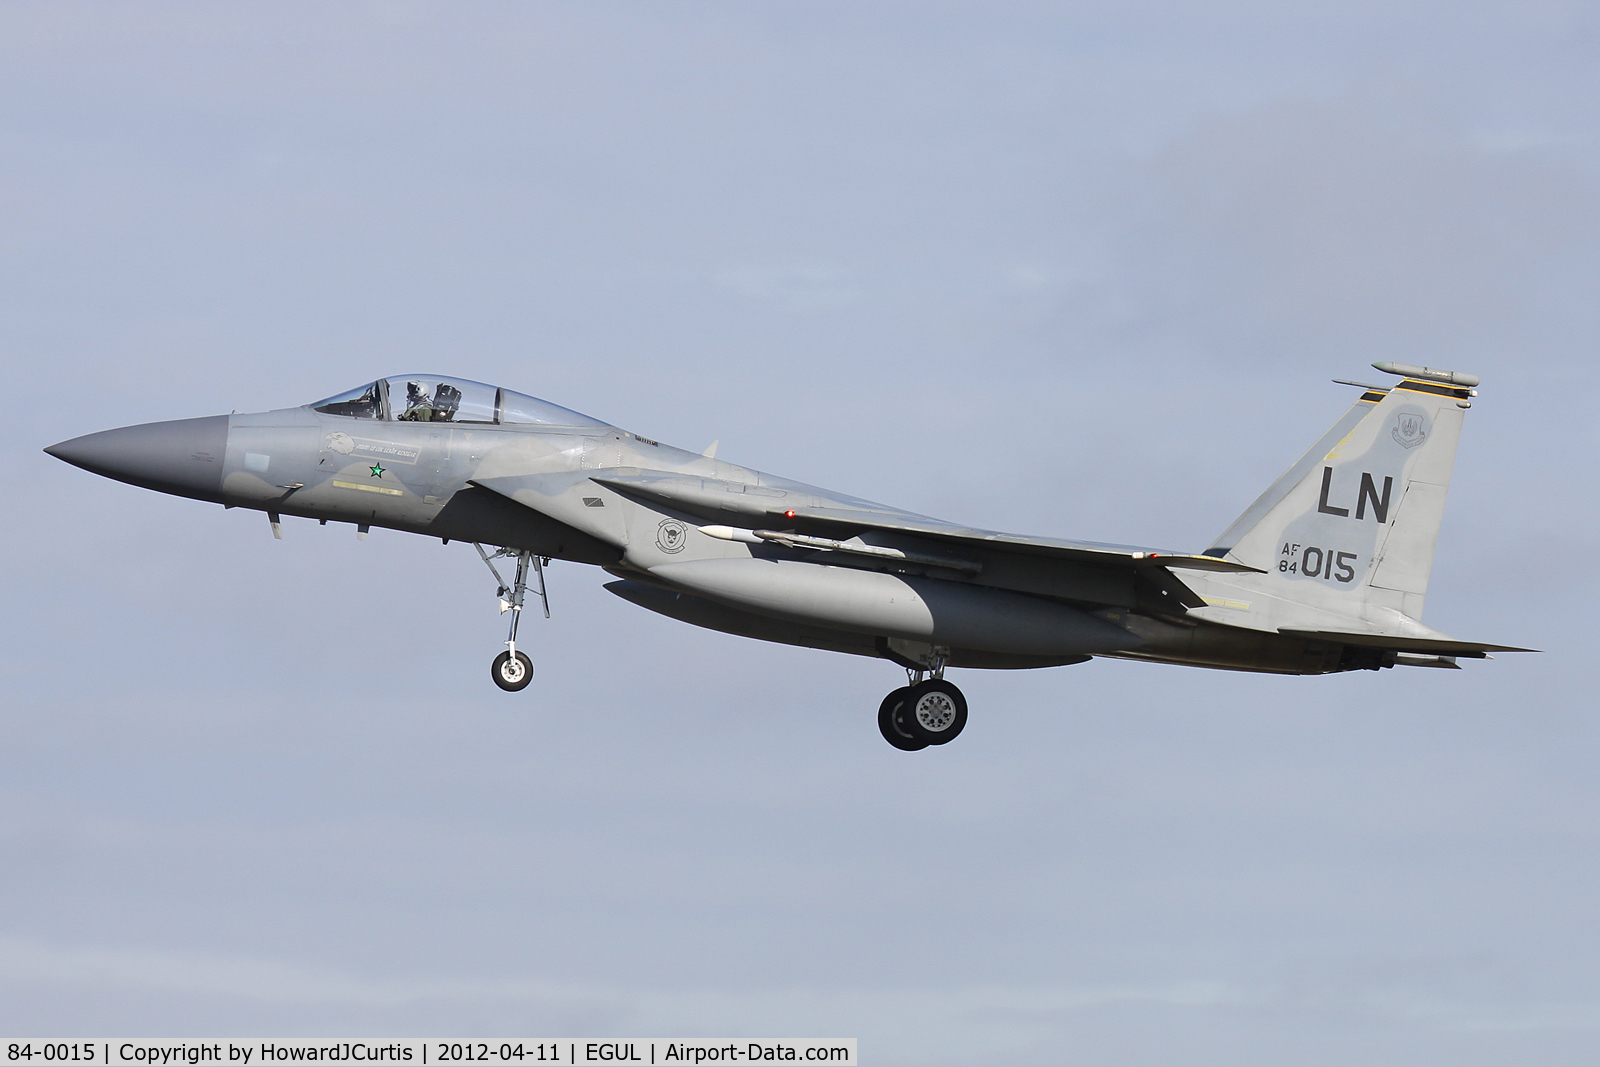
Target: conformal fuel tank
(888, 605)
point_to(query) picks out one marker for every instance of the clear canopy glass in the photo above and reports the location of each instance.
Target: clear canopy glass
(520, 408)
(435, 398)
(362, 402)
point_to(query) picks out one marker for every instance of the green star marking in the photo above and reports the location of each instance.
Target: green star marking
(377, 471)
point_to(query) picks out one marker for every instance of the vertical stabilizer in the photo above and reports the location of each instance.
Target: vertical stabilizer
(1354, 523)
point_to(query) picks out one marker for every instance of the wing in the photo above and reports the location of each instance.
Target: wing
(809, 513)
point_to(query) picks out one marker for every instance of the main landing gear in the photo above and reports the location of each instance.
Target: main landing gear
(513, 670)
(927, 712)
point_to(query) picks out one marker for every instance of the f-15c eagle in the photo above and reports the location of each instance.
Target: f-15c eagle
(1325, 572)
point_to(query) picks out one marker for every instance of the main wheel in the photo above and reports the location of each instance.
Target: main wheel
(887, 712)
(934, 712)
(512, 673)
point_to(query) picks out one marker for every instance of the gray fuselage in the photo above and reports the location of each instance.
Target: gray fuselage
(567, 492)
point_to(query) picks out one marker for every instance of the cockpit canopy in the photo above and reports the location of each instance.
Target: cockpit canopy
(434, 398)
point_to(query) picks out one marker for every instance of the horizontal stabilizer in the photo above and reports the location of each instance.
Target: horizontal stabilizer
(1434, 645)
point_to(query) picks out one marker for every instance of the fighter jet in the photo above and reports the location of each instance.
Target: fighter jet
(1325, 572)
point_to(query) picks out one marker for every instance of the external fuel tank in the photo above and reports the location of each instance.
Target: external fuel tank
(930, 610)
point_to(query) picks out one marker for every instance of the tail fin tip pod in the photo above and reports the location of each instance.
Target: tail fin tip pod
(1432, 374)
(1353, 524)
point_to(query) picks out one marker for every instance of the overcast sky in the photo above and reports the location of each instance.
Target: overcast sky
(1080, 270)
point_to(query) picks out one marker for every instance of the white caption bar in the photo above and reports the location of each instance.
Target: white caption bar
(521, 1052)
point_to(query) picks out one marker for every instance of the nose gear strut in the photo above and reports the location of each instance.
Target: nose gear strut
(513, 670)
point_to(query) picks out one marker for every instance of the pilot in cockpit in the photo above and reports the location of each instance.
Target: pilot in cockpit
(419, 408)
(440, 407)
(431, 398)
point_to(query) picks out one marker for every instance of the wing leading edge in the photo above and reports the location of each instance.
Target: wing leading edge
(724, 500)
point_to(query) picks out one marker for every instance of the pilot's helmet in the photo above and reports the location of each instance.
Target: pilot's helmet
(416, 392)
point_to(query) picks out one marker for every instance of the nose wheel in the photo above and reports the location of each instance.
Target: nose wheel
(513, 670)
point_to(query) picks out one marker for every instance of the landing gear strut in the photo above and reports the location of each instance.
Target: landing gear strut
(928, 711)
(513, 670)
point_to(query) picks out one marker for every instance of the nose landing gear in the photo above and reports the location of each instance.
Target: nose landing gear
(513, 670)
(929, 711)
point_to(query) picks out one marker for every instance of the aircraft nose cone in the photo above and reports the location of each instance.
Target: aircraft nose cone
(183, 457)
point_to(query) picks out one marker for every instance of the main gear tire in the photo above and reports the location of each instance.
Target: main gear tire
(934, 712)
(894, 734)
(512, 673)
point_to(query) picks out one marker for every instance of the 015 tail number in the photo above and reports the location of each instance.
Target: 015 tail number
(1317, 562)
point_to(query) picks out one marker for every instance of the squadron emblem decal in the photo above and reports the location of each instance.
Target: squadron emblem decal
(341, 443)
(671, 536)
(1408, 429)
